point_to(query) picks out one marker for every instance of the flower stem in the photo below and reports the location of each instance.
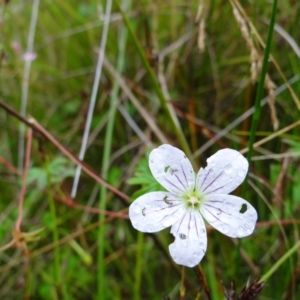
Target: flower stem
(138, 268)
(55, 235)
(182, 287)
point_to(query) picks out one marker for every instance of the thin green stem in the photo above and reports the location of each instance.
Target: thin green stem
(170, 113)
(261, 82)
(105, 163)
(280, 262)
(138, 266)
(211, 276)
(55, 235)
(182, 285)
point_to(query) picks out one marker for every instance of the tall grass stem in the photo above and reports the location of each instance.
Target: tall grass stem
(261, 83)
(166, 106)
(93, 96)
(106, 159)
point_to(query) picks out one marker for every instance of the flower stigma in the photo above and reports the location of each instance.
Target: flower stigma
(193, 200)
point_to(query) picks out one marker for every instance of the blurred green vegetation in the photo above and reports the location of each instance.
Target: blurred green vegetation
(202, 78)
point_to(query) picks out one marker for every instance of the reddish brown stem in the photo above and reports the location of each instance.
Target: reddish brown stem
(36, 126)
(24, 181)
(84, 167)
(71, 203)
(9, 166)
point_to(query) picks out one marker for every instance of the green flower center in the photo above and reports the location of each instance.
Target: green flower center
(193, 200)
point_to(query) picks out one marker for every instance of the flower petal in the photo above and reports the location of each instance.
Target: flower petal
(155, 211)
(225, 171)
(172, 169)
(190, 242)
(231, 215)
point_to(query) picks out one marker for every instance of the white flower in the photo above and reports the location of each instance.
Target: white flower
(190, 197)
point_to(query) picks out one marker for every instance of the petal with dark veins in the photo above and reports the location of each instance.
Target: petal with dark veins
(190, 242)
(155, 211)
(224, 172)
(172, 169)
(231, 215)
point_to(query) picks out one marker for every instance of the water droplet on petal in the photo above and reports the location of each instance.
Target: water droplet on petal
(252, 216)
(248, 231)
(191, 263)
(228, 168)
(135, 224)
(154, 205)
(136, 209)
(225, 228)
(150, 228)
(241, 231)
(241, 173)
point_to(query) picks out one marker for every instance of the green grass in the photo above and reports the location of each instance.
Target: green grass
(170, 91)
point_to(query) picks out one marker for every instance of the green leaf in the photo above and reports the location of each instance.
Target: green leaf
(38, 177)
(142, 176)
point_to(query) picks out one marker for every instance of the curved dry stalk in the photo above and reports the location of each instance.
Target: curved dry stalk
(150, 121)
(241, 118)
(261, 41)
(272, 136)
(276, 156)
(8, 245)
(62, 241)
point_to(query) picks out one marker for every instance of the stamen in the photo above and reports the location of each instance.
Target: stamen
(193, 200)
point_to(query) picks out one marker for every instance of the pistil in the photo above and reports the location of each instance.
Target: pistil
(193, 200)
